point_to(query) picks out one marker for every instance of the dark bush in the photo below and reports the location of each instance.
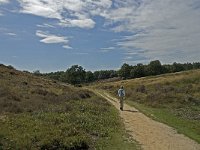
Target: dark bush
(40, 92)
(141, 89)
(190, 99)
(13, 73)
(14, 108)
(10, 67)
(84, 95)
(24, 83)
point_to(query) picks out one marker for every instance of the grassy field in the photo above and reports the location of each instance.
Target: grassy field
(36, 113)
(171, 98)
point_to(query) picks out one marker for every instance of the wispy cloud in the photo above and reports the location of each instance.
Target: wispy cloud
(7, 32)
(81, 23)
(166, 29)
(40, 8)
(67, 47)
(52, 39)
(46, 25)
(107, 49)
(11, 34)
(157, 29)
(79, 53)
(1, 3)
(70, 13)
(4, 1)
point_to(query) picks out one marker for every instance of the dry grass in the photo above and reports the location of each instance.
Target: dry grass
(176, 89)
(37, 113)
(177, 94)
(22, 92)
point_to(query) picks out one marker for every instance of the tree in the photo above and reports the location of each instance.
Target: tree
(89, 76)
(37, 72)
(96, 75)
(155, 68)
(196, 65)
(176, 67)
(75, 74)
(112, 73)
(137, 71)
(125, 71)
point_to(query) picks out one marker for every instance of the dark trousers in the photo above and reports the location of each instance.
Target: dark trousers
(121, 100)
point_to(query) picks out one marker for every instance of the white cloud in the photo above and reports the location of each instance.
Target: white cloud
(107, 49)
(161, 29)
(11, 34)
(81, 23)
(40, 8)
(4, 1)
(67, 47)
(70, 13)
(53, 39)
(165, 29)
(1, 3)
(7, 32)
(45, 25)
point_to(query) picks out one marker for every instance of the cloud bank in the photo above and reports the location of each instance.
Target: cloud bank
(168, 30)
(70, 13)
(161, 29)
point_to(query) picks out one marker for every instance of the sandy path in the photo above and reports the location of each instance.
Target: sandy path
(150, 134)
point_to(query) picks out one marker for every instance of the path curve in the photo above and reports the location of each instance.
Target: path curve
(152, 135)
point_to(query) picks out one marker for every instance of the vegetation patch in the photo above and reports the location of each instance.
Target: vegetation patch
(172, 98)
(37, 113)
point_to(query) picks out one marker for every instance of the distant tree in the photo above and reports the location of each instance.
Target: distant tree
(60, 76)
(96, 75)
(10, 67)
(125, 71)
(176, 67)
(113, 73)
(37, 72)
(196, 65)
(155, 67)
(102, 75)
(75, 74)
(89, 76)
(137, 71)
(188, 66)
(25, 71)
(167, 68)
(105, 74)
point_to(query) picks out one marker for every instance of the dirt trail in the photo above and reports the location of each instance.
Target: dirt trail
(150, 134)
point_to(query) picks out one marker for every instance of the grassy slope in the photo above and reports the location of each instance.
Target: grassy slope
(172, 98)
(36, 113)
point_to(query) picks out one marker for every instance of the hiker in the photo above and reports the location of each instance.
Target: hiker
(121, 94)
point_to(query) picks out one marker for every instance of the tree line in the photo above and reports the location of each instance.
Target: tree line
(77, 74)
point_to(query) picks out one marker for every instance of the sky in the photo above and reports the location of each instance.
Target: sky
(52, 35)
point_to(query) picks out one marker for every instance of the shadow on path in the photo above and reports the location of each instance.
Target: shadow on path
(134, 111)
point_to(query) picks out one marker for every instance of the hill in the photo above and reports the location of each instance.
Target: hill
(173, 99)
(36, 113)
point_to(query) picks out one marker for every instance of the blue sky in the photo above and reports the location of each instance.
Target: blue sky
(52, 35)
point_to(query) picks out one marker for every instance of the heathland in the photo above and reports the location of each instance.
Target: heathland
(173, 99)
(37, 113)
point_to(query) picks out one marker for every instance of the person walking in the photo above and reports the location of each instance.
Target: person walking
(121, 94)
